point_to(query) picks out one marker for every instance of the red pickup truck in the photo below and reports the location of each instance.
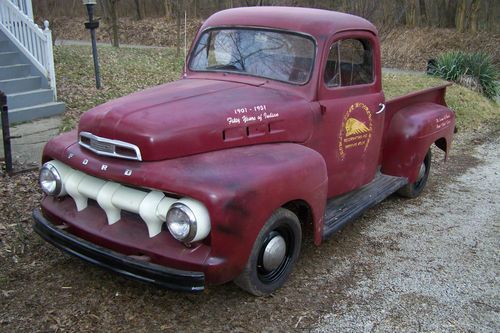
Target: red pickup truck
(279, 124)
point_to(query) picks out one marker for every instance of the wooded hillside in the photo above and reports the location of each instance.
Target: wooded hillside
(463, 15)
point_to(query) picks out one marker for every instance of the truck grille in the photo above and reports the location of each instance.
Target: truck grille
(104, 147)
(108, 147)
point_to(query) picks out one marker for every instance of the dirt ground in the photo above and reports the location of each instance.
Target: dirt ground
(428, 264)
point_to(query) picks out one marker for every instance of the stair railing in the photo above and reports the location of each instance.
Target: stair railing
(33, 42)
(25, 6)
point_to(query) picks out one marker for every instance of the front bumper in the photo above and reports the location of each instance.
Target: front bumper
(162, 276)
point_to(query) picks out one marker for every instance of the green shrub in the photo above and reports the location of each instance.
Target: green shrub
(472, 70)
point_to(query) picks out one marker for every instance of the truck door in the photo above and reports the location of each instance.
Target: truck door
(351, 97)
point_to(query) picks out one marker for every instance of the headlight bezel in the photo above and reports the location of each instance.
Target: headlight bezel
(191, 218)
(57, 178)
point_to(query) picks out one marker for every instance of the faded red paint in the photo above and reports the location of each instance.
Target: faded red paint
(243, 172)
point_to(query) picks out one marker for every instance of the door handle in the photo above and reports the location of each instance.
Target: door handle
(382, 108)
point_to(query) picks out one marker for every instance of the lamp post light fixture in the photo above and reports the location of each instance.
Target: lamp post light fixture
(92, 25)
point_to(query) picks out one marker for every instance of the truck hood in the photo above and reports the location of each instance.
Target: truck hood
(192, 116)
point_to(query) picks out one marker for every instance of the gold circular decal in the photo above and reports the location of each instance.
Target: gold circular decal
(356, 129)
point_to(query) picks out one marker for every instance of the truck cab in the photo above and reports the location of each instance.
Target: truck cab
(278, 124)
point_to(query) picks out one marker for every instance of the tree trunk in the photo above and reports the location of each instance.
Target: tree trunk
(196, 9)
(451, 10)
(411, 13)
(104, 4)
(168, 9)
(179, 13)
(423, 13)
(474, 13)
(491, 19)
(461, 15)
(114, 23)
(138, 12)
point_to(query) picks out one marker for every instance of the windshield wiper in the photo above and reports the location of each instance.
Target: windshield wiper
(225, 67)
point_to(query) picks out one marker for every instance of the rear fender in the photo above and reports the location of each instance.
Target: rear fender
(411, 132)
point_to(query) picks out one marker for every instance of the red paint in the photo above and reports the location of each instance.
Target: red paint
(188, 117)
(414, 123)
(242, 172)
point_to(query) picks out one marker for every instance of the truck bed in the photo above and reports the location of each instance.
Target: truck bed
(431, 95)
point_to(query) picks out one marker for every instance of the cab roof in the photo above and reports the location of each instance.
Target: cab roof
(316, 22)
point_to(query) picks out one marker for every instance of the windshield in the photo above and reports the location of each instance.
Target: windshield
(270, 54)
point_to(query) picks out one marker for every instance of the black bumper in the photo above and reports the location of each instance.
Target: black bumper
(131, 268)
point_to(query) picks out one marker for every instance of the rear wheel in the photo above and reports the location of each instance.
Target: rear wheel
(413, 190)
(273, 255)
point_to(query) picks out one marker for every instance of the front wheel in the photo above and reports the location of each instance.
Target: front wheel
(413, 190)
(273, 254)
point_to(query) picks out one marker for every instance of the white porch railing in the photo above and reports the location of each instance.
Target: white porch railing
(25, 6)
(33, 42)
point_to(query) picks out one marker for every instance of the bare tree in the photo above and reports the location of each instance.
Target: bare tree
(465, 15)
(253, 3)
(138, 11)
(168, 9)
(423, 13)
(196, 8)
(411, 13)
(104, 5)
(180, 6)
(114, 22)
(474, 13)
(461, 15)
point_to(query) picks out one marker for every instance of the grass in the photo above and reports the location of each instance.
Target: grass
(123, 71)
(473, 110)
(126, 70)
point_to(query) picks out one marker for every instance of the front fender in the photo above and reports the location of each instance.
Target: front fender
(241, 188)
(412, 131)
(257, 180)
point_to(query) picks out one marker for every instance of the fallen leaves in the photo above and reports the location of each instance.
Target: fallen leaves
(123, 71)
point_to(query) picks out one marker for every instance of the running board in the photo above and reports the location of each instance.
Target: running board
(344, 209)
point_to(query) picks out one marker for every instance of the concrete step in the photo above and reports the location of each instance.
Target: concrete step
(5, 46)
(12, 86)
(30, 98)
(9, 58)
(39, 111)
(27, 149)
(14, 71)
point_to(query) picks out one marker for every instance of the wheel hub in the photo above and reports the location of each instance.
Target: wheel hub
(274, 253)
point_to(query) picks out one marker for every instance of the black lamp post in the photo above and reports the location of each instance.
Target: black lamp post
(92, 25)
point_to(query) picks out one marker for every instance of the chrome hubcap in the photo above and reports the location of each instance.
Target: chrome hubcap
(274, 253)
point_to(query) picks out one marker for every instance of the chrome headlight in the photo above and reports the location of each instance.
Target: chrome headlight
(188, 220)
(50, 180)
(181, 222)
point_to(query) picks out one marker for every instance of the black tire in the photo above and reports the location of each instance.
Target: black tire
(255, 278)
(413, 190)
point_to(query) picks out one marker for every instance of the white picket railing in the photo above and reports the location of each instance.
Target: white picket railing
(33, 42)
(25, 6)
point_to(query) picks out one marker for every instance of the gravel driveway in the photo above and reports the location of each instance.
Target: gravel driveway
(428, 264)
(438, 265)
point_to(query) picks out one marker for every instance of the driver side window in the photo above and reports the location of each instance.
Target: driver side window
(349, 63)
